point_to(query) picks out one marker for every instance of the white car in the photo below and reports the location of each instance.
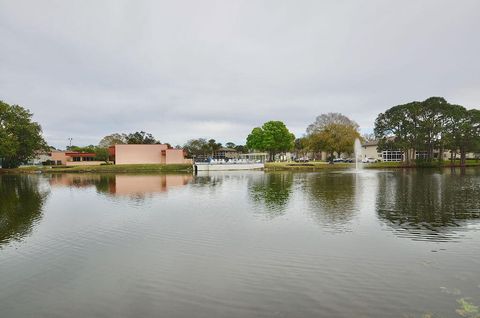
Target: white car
(369, 160)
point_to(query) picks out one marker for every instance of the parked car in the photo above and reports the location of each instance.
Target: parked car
(338, 160)
(349, 160)
(369, 160)
(302, 159)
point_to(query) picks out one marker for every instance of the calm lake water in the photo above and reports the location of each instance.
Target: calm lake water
(247, 244)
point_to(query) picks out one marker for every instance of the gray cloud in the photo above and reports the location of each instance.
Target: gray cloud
(187, 69)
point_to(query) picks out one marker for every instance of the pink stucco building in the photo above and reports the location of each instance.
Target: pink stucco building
(73, 158)
(146, 154)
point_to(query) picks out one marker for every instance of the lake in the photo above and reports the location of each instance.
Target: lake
(241, 244)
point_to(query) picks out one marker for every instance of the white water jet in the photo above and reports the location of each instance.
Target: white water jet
(358, 154)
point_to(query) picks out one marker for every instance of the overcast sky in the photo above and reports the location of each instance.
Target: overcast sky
(216, 69)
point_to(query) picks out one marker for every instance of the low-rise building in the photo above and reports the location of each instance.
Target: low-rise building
(146, 154)
(74, 158)
(370, 150)
(225, 153)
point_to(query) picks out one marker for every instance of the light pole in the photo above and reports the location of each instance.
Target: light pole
(70, 141)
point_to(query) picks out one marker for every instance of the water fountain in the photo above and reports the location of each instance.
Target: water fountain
(358, 154)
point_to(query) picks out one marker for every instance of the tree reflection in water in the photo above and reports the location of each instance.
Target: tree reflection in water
(428, 205)
(21, 204)
(331, 198)
(272, 190)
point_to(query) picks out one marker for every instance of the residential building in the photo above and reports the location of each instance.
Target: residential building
(369, 150)
(225, 153)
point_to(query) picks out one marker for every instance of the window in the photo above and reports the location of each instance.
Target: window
(421, 155)
(392, 156)
(77, 159)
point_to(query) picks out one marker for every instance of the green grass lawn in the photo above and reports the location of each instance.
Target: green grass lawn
(269, 166)
(106, 168)
(319, 165)
(312, 165)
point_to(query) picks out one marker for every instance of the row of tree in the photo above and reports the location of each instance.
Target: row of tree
(426, 126)
(138, 137)
(202, 147)
(333, 133)
(431, 126)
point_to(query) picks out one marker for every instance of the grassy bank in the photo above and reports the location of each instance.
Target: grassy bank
(104, 168)
(314, 166)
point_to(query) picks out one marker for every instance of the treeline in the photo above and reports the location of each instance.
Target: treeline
(203, 147)
(432, 126)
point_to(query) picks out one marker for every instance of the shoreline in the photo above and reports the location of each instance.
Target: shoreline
(188, 168)
(315, 166)
(170, 168)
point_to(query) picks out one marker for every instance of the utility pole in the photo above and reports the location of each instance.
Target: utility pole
(70, 140)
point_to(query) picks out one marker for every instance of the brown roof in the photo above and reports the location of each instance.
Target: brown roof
(227, 149)
(370, 143)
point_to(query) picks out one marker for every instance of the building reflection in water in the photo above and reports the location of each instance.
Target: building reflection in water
(428, 205)
(126, 185)
(21, 206)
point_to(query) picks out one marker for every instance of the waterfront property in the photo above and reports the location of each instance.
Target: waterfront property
(225, 153)
(146, 154)
(74, 158)
(375, 244)
(370, 150)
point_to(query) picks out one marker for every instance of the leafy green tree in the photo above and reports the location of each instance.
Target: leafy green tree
(255, 139)
(334, 138)
(324, 120)
(20, 137)
(395, 132)
(101, 153)
(141, 137)
(332, 133)
(301, 146)
(213, 146)
(464, 131)
(433, 124)
(230, 145)
(113, 139)
(196, 147)
(273, 137)
(241, 148)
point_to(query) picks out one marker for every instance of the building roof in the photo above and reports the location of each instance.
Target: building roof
(370, 143)
(79, 154)
(227, 150)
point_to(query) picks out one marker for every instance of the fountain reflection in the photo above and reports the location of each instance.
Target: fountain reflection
(426, 205)
(22, 201)
(133, 186)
